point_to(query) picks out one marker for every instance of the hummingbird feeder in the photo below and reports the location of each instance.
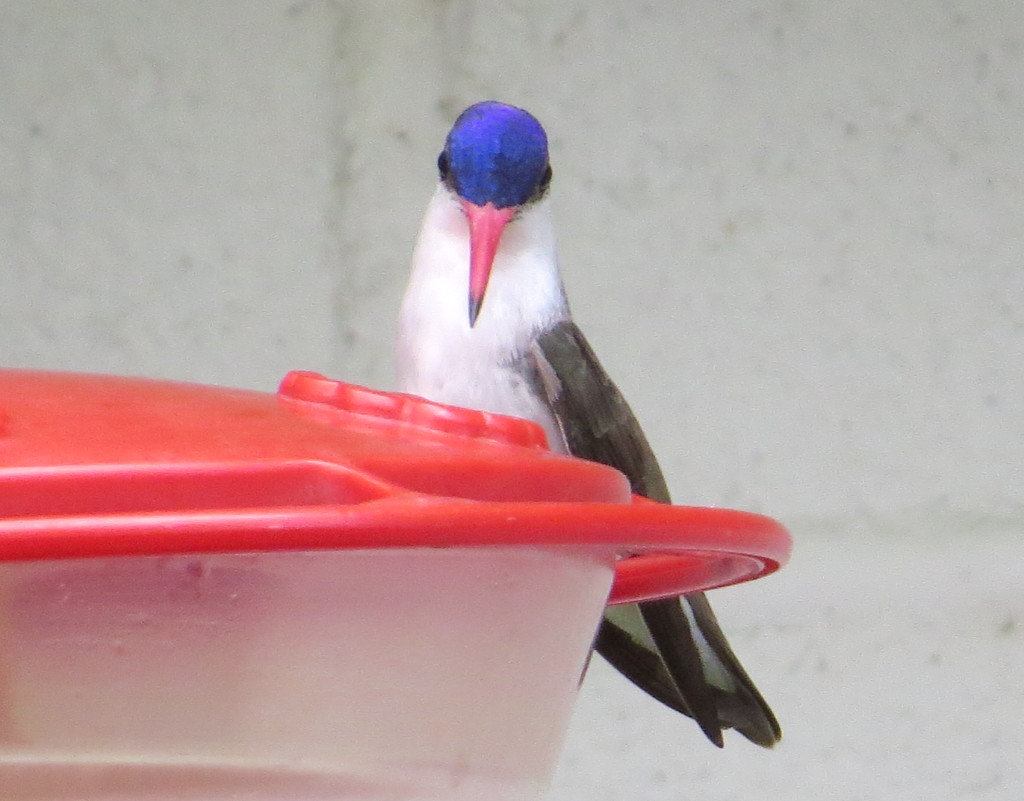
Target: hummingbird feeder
(327, 593)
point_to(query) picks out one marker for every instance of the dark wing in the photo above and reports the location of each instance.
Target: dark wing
(656, 647)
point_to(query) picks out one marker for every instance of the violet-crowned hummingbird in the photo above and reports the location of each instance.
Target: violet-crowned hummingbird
(513, 349)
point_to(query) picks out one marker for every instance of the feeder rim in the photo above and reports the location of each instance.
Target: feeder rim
(668, 550)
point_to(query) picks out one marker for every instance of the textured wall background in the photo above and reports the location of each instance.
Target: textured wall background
(793, 230)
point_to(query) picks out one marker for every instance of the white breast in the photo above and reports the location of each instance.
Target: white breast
(438, 355)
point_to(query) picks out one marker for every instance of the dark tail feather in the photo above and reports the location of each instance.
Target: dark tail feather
(671, 633)
(677, 676)
(744, 709)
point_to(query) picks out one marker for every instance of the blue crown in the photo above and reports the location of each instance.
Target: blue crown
(497, 154)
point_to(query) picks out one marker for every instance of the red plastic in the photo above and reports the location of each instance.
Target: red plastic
(98, 465)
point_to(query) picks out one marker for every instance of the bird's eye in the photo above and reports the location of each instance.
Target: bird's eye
(442, 165)
(542, 185)
(545, 179)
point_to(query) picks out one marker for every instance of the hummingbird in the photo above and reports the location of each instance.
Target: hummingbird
(485, 324)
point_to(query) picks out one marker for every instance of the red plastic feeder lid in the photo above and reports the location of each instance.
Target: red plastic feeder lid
(100, 466)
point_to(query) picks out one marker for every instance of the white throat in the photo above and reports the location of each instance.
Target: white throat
(438, 355)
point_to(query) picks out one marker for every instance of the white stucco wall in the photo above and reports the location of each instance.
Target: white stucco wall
(793, 231)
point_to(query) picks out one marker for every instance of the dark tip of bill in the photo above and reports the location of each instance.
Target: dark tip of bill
(474, 309)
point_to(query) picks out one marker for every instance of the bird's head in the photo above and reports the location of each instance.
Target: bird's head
(495, 161)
